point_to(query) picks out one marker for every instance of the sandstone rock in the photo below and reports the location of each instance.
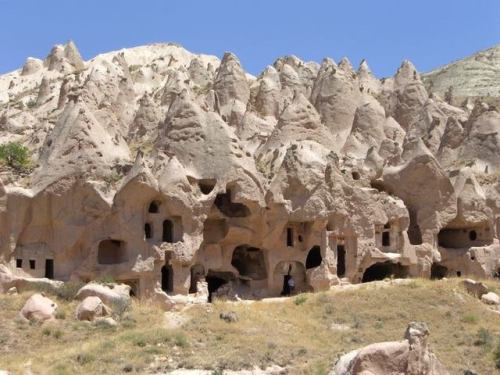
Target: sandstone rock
(411, 356)
(39, 308)
(90, 308)
(490, 298)
(113, 295)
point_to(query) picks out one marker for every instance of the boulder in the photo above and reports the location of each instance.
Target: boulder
(475, 288)
(39, 308)
(114, 295)
(90, 308)
(490, 298)
(410, 356)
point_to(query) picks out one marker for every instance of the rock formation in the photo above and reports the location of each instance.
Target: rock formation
(153, 165)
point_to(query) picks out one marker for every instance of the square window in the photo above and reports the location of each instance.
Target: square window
(32, 264)
(19, 263)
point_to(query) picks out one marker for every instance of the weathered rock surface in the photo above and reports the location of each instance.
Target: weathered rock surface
(90, 308)
(412, 356)
(39, 308)
(153, 165)
(111, 294)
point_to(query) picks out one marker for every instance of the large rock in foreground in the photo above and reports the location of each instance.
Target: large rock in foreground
(410, 356)
(39, 308)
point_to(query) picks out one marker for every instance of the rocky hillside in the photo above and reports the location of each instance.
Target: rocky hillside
(157, 166)
(475, 76)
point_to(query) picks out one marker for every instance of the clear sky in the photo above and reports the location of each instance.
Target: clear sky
(428, 32)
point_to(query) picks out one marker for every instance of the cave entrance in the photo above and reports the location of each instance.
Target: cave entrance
(414, 233)
(147, 231)
(215, 280)
(438, 271)
(314, 257)
(228, 208)
(49, 268)
(340, 260)
(381, 271)
(459, 238)
(167, 278)
(168, 231)
(154, 207)
(250, 262)
(197, 274)
(111, 252)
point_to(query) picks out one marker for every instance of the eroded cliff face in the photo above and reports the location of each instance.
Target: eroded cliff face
(154, 165)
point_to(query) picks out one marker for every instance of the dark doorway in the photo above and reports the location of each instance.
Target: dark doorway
(197, 274)
(214, 282)
(289, 237)
(386, 239)
(19, 263)
(32, 264)
(380, 271)
(111, 252)
(49, 268)
(167, 278)
(438, 271)
(314, 258)
(147, 230)
(168, 231)
(472, 235)
(414, 233)
(340, 261)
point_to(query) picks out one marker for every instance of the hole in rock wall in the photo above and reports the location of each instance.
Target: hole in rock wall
(167, 278)
(458, 238)
(459, 273)
(414, 233)
(228, 208)
(289, 237)
(197, 274)
(32, 264)
(314, 258)
(147, 231)
(340, 261)
(381, 271)
(386, 238)
(111, 252)
(356, 176)
(49, 268)
(215, 280)
(19, 263)
(207, 186)
(282, 273)
(154, 207)
(250, 262)
(438, 271)
(168, 231)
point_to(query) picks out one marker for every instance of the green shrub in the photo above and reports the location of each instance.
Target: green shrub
(69, 289)
(300, 300)
(483, 338)
(497, 356)
(15, 155)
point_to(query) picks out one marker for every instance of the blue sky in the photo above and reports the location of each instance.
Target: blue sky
(429, 33)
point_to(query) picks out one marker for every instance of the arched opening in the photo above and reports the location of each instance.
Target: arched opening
(215, 280)
(381, 271)
(438, 271)
(206, 186)
(111, 252)
(286, 270)
(168, 231)
(154, 207)
(197, 274)
(167, 278)
(314, 258)
(340, 260)
(472, 235)
(250, 262)
(356, 176)
(228, 208)
(148, 233)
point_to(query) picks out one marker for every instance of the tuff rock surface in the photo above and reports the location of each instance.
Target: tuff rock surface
(155, 165)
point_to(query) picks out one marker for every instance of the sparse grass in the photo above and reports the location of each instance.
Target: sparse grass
(464, 334)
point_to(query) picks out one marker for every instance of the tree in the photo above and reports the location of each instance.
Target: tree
(15, 155)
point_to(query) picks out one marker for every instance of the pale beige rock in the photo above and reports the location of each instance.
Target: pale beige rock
(39, 308)
(110, 294)
(490, 298)
(411, 356)
(90, 308)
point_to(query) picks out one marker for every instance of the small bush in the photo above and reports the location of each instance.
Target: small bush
(85, 358)
(181, 340)
(469, 319)
(300, 300)
(68, 290)
(483, 338)
(497, 356)
(15, 155)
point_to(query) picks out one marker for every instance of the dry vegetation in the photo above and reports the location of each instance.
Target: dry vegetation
(295, 333)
